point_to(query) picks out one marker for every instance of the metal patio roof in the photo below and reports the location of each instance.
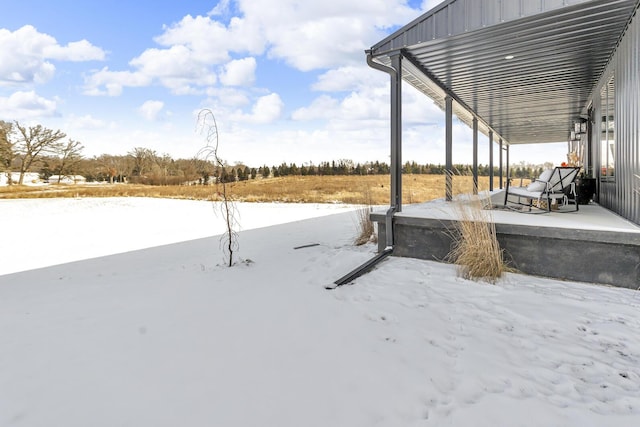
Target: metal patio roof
(558, 49)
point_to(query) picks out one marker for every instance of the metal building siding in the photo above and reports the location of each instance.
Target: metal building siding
(490, 12)
(511, 9)
(556, 4)
(627, 123)
(441, 20)
(622, 195)
(473, 15)
(531, 7)
(459, 16)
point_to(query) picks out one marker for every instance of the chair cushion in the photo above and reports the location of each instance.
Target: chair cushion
(540, 184)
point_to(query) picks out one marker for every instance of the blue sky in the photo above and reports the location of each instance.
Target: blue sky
(286, 79)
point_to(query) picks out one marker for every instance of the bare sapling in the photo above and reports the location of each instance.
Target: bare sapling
(229, 239)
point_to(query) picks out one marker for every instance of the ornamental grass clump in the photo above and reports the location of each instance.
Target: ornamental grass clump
(365, 227)
(475, 246)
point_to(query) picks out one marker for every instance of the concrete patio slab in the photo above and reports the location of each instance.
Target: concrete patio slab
(592, 244)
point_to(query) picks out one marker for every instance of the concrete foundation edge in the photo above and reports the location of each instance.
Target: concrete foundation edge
(602, 257)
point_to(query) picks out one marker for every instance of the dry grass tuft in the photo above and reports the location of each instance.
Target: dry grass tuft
(365, 227)
(475, 248)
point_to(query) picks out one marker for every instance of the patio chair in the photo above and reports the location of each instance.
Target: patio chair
(553, 186)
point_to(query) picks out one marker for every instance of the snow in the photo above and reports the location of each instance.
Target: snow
(65, 230)
(30, 178)
(139, 324)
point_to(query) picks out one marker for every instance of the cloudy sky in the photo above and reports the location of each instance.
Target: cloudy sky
(286, 80)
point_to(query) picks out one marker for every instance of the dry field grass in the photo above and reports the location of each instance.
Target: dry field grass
(373, 189)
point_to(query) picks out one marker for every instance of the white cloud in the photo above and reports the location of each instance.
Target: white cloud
(230, 97)
(239, 72)
(315, 35)
(86, 121)
(25, 55)
(323, 34)
(323, 107)
(418, 109)
(362, 118)
(267, 109)
(304, 145)
(348, 78)
(319, 44)
(150, 109)
(365, 108)
(218, 56)
(75, 52)
(210, 40)
(177, 68)
(26, 105)
(178, 60)
(21, 56)
(113, 82)
(360, 106)
(185, 63)
(222, 8)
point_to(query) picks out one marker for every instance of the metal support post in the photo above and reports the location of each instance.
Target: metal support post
(475, 155)
(490, 160)
(448, 148)
(506, 150)
(500, 165)
(396, 132)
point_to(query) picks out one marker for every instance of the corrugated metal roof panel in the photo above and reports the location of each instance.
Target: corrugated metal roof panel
(558, 50)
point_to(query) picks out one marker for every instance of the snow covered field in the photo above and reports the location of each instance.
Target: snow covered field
(142, 326)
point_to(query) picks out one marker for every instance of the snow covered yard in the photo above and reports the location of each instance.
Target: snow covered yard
(142, 327)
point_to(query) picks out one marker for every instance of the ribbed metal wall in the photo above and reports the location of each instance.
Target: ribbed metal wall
(454, 17)
(622, 194)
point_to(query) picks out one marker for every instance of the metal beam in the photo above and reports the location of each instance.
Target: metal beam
(448, 147)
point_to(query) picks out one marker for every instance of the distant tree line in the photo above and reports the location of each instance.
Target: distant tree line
(46, 152)
(348, 167)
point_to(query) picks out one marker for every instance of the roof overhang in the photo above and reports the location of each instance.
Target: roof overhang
(526, 70)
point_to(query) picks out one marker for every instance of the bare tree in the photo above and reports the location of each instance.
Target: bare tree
(107, 166)
(163, 167)
(33, 142)
(7, 152)
(113, 167)
(209, 127)
(195, 169)
(143, 159)
(69, 156)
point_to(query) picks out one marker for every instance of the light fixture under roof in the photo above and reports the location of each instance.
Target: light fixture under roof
(509, 57)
